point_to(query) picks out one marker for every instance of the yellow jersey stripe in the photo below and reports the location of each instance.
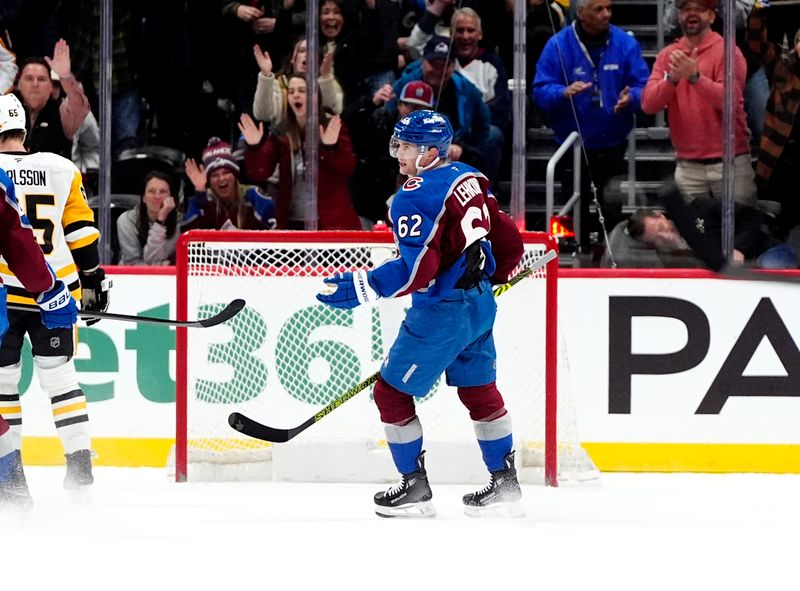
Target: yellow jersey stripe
(71, 408)
(84, 241)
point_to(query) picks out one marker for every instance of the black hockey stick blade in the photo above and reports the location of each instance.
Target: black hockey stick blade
(253, 428)
(226, 314)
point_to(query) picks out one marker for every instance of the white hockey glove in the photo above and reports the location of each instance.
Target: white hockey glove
(348, 290)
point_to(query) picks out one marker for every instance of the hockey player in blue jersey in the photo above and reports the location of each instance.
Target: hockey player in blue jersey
(453, 242)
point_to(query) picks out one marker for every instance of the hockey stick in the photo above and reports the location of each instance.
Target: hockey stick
(226, 314)
(253, 428)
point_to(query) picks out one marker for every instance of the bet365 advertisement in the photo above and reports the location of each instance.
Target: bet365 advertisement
(675, 371)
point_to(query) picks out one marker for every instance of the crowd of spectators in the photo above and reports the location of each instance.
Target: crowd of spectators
(223, 83)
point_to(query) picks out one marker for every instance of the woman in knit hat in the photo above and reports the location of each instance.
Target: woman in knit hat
(220, 201)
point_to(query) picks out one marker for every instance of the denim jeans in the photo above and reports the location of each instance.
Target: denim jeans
(126, 114)
(756, 94)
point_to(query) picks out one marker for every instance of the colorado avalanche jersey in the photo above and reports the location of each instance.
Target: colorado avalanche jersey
(435, 217)
(50, 192)
(17, 243)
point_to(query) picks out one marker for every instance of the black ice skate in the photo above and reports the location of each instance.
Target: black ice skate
(14, 494)
(411, 497)
(500, 498)
(79, 470)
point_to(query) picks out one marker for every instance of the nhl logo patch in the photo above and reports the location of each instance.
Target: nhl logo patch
(55, 342)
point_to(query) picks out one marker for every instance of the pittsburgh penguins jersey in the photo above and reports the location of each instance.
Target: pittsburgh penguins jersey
(435, 217)
(50, 192)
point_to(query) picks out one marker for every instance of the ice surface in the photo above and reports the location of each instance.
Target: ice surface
(631, 531)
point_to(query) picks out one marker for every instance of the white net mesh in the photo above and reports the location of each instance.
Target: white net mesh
(285, 356)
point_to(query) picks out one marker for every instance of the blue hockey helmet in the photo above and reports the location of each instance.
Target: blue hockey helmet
(427, 129)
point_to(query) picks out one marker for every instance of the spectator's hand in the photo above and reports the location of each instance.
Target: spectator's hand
(738, 257)
(576, 87)
(682, 65)
(288, 4)
(166, 207)
(454, 152)
(370, 4)
(326, 67)
(624, 99)
(248, 13)
(196, 174)
(252, 133)
(263, 60)
(60, 63)
(263, 26)
(330, 135)
(383, 95)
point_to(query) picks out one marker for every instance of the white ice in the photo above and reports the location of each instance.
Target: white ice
(630, 531)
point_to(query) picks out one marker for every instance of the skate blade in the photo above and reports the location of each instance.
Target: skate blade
(510, 510)
(16, 504)
(80, 495)
(409, 510)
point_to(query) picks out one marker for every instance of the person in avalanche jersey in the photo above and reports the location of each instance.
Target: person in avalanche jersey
(453, 242)
(220, 201)
(22, 255)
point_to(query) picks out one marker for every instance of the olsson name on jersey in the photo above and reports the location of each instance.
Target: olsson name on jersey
(25, 177)
(50, 192)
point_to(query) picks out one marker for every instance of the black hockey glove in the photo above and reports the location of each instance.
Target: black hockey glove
(95, 292)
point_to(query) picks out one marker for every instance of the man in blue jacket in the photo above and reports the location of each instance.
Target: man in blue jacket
(589, 79)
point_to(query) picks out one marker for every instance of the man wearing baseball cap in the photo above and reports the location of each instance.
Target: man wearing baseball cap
(475, 141)
(688, 80)
(376, 175)
(415, 94)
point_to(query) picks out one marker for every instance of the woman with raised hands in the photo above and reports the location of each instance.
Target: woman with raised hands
(284, 147)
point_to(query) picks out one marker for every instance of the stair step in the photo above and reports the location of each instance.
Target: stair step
(541, 186)
(643, 154)
(643, 133)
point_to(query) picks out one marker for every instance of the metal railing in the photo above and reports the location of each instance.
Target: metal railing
(573, 140)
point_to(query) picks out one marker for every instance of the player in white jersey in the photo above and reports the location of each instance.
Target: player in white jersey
(50, 192)
(58, 309)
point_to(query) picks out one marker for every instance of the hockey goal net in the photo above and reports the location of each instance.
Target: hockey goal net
(286, 355)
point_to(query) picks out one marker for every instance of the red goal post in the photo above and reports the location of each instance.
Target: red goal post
(286, 355)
